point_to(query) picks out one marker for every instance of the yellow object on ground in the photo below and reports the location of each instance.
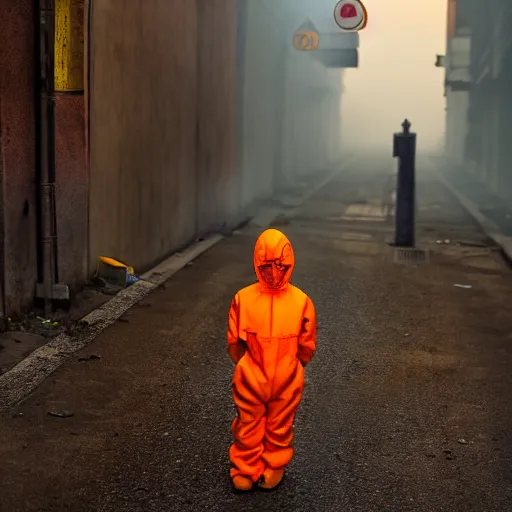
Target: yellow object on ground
(114, 263)
(115, 272)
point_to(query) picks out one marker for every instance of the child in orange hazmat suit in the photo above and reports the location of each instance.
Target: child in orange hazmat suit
(271, 336)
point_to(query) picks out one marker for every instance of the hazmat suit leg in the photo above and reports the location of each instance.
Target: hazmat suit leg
(278, 449)
(248, 430)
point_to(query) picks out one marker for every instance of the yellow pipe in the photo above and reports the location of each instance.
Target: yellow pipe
(69, 45)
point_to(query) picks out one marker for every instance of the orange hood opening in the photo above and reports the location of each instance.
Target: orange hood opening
(274, 259)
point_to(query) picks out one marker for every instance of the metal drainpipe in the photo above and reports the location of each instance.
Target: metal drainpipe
(46, 185)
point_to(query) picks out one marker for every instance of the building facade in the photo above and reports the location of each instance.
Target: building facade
(131, 130)
(457, 80)
(488, 151)
(478, 82)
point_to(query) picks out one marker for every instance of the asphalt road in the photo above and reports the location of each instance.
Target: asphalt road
(407, 403)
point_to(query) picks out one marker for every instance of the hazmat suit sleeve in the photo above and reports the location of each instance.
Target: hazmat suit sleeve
(236, 346)
(307, 338)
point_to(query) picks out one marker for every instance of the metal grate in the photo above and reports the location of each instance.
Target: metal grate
(410, 256)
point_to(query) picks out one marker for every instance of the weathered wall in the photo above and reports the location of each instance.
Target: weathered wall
(70, 162)
(17, 151)
(162, 126)
(505, 127)
(262, 96)
(218, 197)
(333, 115)
(311, 128)
(287, 118)
(487, 149)
(71, 189)
(158, 166)
(143, 111)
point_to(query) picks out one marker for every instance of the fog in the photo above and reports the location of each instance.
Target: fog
(396, 78)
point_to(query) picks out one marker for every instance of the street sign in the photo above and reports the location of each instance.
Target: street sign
(350, 15)
(338, 58)
(339, 41)
(333, 50)
(306, 37)
(306, 40)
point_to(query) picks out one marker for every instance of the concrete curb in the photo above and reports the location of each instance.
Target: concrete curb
(26, 376)
(491, 229)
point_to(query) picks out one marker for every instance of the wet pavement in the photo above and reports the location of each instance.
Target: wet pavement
(406, 406)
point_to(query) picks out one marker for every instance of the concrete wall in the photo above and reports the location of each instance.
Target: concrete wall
(179, 130)
(334, 127)
(218, 197)
(261, 104)
(71, 189)
(488, 151)
(505, 128)
(17, 153)
(162, 123)
(458, 60)
(313, 115)
(287, 104)
(303, 111)
(71, 173)
(143, 112)
(457, 103)
(18, 164)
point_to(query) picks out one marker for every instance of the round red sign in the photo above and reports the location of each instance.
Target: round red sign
(350, 15)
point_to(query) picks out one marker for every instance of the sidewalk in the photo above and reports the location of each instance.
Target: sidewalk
(406, 406)
(492, 214)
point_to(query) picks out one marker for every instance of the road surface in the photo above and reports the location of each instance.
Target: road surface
(407, 403)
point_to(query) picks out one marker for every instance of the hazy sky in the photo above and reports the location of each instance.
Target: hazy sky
(396, 77)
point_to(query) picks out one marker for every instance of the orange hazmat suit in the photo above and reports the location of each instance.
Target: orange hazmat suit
(271, 336)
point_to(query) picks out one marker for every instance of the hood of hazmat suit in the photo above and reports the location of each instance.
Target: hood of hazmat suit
(274, 260)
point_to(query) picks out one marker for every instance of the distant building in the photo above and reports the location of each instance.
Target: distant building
(488, 148)
(457, 79)
(478, 81)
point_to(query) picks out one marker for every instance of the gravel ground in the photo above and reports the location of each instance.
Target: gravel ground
(406, 405)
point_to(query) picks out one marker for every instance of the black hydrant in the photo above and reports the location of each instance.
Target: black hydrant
(404, 148)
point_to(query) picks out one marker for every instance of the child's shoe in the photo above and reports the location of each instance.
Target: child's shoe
(271, 478)
(242, 483)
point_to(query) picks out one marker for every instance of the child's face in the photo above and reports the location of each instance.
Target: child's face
(273, 273)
